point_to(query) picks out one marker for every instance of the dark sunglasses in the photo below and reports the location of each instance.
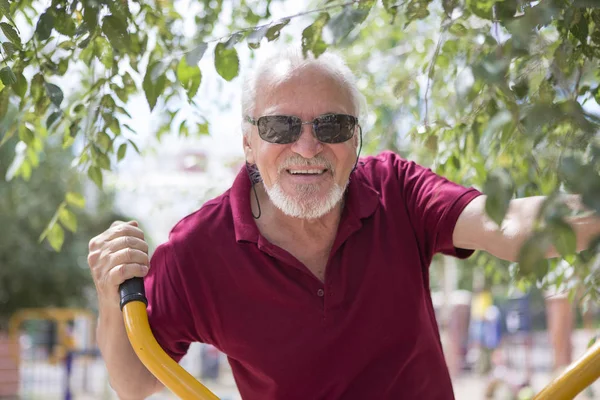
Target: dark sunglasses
(284, 129)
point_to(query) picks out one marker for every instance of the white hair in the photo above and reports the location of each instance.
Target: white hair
(291, 61)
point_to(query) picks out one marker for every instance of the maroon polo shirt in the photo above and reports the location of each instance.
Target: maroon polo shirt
(367, 332)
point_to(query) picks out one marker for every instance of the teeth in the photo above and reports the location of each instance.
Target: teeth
(306, 171)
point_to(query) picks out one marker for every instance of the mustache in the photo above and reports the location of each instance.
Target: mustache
(299, 161)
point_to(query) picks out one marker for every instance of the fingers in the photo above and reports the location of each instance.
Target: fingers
(129, 256)
(124, 242)
(122, 272)
(117, 229)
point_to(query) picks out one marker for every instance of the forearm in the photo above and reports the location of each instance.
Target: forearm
(128, 376)
(505, 242)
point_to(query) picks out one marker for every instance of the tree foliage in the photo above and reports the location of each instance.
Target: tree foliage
(500, 94)
(35, 275)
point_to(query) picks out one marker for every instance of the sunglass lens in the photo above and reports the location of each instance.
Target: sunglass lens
(279, 129)
(335, 128)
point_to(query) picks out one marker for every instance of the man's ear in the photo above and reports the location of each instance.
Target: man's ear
(248, 150)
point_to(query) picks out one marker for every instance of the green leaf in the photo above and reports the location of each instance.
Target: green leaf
(137, 150)
(20, 86)
(116, 32)
(44, 27)
(343, 23)
(121, 152)
(532, 255)
(95, 174)
(52, 118)
(592, 341)
(56, 236)
(189, 76)
(11, 34)
(563, 237)
(312, 36)
(5, 10)
(416, 9)
(194, 56)
(581, 30)
(54, 93)
(26, 135)
(90, 15)
(203, 129)
(458, 29)
(7, 76)
(481, 8)
(275, 29)
(63, 23)
(75, 199)
(68, 219)
(499, 190)
(154, 82)
(9, 49)
(227, 62)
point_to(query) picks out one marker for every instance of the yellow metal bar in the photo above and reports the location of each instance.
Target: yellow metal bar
(579, 375)
(163, 367)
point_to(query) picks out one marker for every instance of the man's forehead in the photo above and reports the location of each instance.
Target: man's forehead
(281, 91)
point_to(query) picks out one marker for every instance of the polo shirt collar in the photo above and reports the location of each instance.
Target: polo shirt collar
(361, 202)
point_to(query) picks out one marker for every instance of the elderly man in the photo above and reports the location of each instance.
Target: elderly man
(311, 272)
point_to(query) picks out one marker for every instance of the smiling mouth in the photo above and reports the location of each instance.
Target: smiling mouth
(306, 172)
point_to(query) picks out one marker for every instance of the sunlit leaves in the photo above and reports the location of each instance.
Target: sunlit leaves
(95, 174)
(312, 40)
(189, 76)
(56, 237)
(68, 219)
(416, 9)
(121, 152)
(227, 62)
(154, 82)
(499, 190)
(75, 199)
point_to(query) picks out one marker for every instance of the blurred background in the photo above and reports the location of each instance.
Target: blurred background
(131, 110)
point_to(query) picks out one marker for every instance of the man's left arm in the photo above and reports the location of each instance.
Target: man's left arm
(475, 230)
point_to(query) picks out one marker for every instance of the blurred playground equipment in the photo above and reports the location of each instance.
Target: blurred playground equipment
(45, 345)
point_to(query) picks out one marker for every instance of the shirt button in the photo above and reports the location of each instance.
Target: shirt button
(320, 292)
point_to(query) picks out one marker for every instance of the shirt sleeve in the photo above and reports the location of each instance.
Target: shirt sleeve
(433, 204)
(168, 313)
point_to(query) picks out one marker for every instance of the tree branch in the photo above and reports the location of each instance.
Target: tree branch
(431, 71)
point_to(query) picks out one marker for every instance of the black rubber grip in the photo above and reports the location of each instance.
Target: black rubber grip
(132, 290)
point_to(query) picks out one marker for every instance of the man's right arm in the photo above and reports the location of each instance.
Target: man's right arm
(118, 254)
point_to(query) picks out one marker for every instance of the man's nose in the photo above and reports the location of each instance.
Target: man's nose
(307, 145)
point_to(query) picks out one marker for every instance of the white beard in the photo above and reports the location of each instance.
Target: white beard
(305, 205)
